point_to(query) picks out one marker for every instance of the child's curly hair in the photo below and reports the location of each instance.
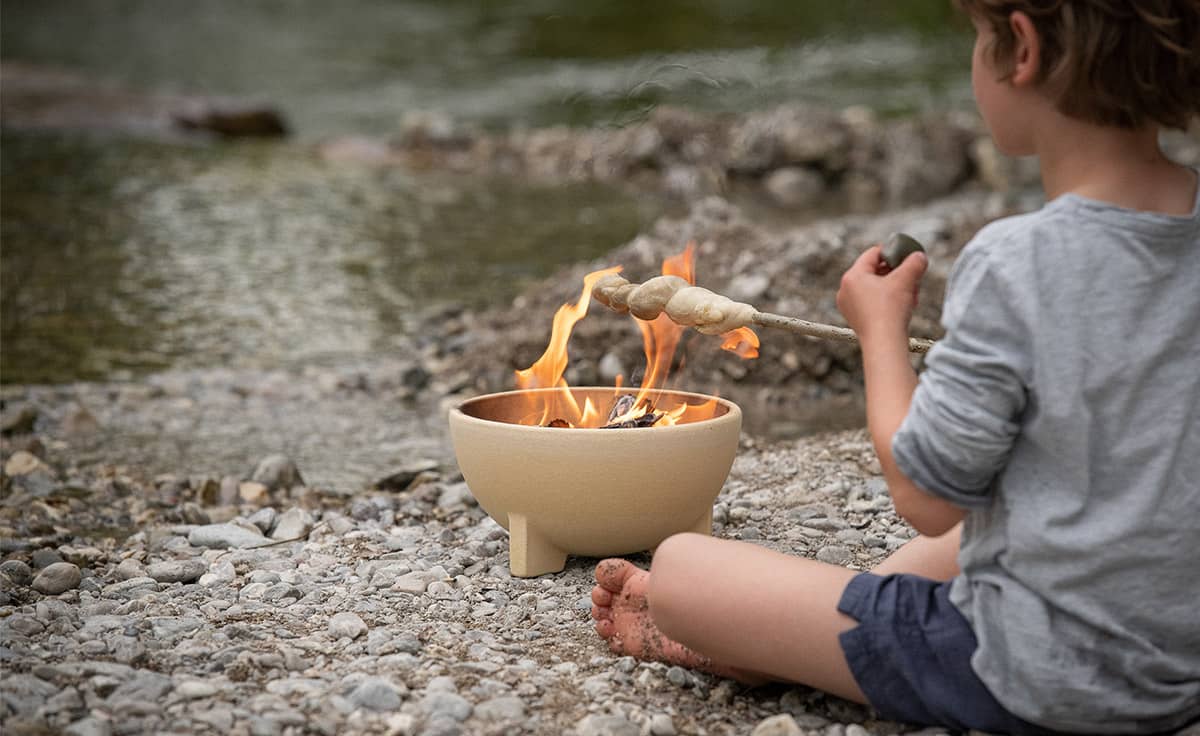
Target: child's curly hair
(1111, 62)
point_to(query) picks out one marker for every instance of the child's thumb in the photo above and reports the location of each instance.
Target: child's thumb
(911, 269)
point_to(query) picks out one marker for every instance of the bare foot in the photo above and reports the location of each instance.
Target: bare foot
(622, 616)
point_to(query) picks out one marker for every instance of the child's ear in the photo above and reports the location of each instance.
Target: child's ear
(1027, 50)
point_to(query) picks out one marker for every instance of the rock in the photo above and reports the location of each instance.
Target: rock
(456, 496)
(337, 523)
(207, 490)
(401, 724)
(18, 421)
(404, 477)
(195, 689)
(264, 519)
(604, 725)
(79, 421)
(505, 708)
(224, 536)
(376, 693)
(254, 493)
(25, 625)
(277, 472)
(131, 588)
(17, 571)
(793, 186)
(662, 725)
(23, 463)
(678, 676)
(57, 578)
(219, 718)
(221, 573)
(90, 726)
(292, 524)
(346, 625)
(446, 705)
(232, 119)
(834, 554)
(45, 557)
(177, 571)
(143, 686)
(228, 493)
(780, 725)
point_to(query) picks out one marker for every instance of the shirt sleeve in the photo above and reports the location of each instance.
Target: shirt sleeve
(965, 413)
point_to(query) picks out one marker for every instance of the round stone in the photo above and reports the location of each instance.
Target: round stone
(17, 571)
(177, 571)
(346, 625)
(57, 578)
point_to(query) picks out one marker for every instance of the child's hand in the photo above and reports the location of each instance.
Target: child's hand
(875, 301)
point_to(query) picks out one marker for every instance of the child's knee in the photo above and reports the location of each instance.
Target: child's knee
(675, 553)
(671, 574)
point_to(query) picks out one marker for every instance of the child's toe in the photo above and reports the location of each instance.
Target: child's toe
(601, 597)
(612, 574)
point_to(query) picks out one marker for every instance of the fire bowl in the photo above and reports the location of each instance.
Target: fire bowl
(591, 492)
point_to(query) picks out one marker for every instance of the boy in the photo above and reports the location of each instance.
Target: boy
(1052, 443)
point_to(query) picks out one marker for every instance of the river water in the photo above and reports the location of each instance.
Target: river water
(124, 256)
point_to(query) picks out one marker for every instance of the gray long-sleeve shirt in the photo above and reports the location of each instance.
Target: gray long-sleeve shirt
(1062, 409)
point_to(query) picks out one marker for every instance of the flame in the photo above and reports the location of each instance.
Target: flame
(547, 371)
(660, 338)
(742, 342)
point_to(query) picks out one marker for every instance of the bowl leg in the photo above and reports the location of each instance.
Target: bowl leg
(529, 553)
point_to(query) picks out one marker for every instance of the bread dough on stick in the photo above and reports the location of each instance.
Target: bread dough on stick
(607, 287)
(691, 306)
(648, 300)
(709, 313)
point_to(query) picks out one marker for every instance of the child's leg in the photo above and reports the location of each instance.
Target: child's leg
(745, 609)
(931, 557)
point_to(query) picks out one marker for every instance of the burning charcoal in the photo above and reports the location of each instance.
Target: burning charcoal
(646, 420)
(621, 406)
(559, 423)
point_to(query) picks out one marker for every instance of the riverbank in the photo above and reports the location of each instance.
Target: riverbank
(258, 599)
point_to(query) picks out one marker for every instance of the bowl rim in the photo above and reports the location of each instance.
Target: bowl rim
(733, 411)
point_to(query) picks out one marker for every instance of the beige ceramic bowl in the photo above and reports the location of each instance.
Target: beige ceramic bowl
(591, 492)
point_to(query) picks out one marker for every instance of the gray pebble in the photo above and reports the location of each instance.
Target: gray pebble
(678, 676)
(376, 693)
(56, 578)
(662, 725)
(90, 726)
(606, 725)
(834, 555)
(264, 519)
(128, 569)
(292, 524)
(346, 625)
(45, 557)
(446, 705)
(224, 536)
(17, 571)
(505, 708)
(780, 725)
(277, 472)
(177, 571)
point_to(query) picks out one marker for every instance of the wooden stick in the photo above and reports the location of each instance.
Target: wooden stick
(824, 331)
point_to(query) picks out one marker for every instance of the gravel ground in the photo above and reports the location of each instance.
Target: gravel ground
(266, 605)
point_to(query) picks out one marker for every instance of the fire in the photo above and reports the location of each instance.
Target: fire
(660, 338)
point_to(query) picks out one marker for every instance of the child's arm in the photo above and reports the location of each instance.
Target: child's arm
(879, 309)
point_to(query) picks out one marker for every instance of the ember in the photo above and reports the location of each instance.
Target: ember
(660, 337)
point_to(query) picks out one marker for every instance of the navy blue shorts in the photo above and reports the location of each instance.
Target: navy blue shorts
(911, 656)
